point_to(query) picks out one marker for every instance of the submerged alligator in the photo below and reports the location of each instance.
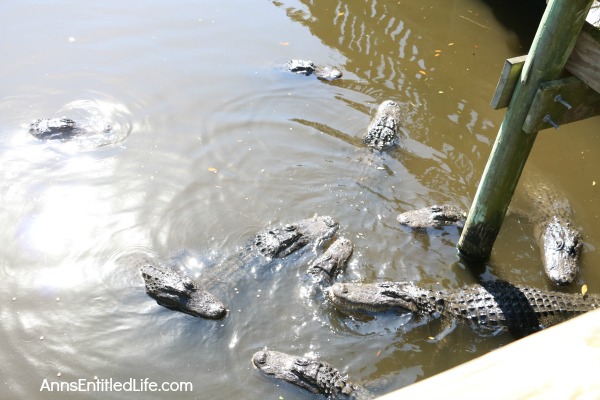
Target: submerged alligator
(313, 375)
(324, 268)
(490, 306)
(548, 210)
(281, 241)
(436, 216)
(307, 68)
(59, 129)
(382, 133)
(179, 292)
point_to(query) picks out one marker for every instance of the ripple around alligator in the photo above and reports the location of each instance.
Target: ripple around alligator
(92, 115)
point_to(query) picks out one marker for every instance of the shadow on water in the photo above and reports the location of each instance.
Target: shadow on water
(520, 17)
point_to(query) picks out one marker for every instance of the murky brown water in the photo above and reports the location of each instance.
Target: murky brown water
(214, 141)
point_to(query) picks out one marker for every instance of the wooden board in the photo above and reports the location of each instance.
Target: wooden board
(508, 80)
(584, 102)
(562, 362)
(584, 61)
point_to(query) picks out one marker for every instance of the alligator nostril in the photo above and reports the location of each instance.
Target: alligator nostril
(329, 222)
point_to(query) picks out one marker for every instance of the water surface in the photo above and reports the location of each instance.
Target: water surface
(214, 141)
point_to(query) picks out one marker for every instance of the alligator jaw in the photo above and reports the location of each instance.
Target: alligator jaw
(561, 247)
(436, 216)
(175, 291)
(286, 367)
(374, 297)
(330, 263)
(313, 375)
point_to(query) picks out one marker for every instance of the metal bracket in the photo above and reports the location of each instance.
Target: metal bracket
(560, 102)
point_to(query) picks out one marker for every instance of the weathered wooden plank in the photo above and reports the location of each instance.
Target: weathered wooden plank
(561, 362)
(508, 80)
(560, 102)
(584, 61)
(553, 42)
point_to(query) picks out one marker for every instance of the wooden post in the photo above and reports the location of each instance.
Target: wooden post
(556, 36)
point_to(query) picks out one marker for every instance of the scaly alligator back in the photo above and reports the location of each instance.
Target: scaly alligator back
(521, 309)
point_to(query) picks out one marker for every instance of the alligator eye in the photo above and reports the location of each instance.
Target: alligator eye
(289, 227)
(436, 208)
(301, 361)
(559, 244)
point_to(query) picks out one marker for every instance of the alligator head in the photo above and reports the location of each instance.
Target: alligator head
(304, 67)
(382, 296)
(560, 247)
(175, 291)
(53, 128)
(382, 132)
(312, 375)
(433, 217)
(307, 68)
(332, 261)
(282, 241)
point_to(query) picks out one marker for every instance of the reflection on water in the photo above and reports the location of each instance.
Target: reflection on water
(212, 141)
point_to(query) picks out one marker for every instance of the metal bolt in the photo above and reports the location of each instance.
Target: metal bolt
(559, 99)
(549, 120)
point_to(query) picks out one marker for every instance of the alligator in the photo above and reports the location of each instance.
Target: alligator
(281, 241)
(436, 216)
(382, 133)
(178, 292)
(324, 268)
(307, 68)
(313, 375)
(549, 211)
(59, 129)
(495, 305)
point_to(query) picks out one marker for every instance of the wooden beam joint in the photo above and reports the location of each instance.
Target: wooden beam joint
(560, 102)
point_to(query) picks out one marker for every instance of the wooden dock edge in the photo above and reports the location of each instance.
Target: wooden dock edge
(562, 362)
